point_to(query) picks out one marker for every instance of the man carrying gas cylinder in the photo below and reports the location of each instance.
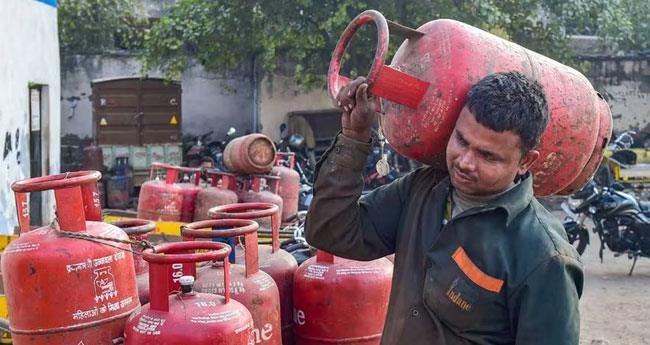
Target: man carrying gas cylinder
(478, 260)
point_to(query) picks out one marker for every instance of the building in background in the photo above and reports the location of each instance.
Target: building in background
(29, 103)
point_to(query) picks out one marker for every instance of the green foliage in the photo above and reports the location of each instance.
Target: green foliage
(225, 35)
(628, 26)
(99, 26)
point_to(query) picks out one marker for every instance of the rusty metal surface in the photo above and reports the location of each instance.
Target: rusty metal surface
(93, 284)
(255, 289)
(160, 201)
(340, 301)
(250, 154)
(210, 197)
(278, 263)
(453, 56)
(137, 230)
(135, 111)
(192, 317)
(604, 134)
(288, 189)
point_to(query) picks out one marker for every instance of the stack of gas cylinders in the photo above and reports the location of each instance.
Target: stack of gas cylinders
(243, 292)
(76, 280)
(256, 173)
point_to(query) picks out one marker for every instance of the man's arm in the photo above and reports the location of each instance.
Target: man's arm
(545, 308)
(341, 223)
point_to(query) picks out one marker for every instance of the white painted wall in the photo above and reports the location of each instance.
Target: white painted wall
(29, 53)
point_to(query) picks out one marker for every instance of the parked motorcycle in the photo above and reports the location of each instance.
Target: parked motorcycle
(305, 158)
(199, 150)
(619, 220)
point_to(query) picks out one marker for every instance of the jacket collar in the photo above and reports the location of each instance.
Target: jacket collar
(512, 202)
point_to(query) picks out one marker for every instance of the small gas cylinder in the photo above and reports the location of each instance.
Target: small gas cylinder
(119, 184)
(250, 154)
(190, 190)
(101, 190)
(277, 262)
(262, 189)
(424, 90)
(255, 289)
(161, 200)
(187, 317)
(340, 301)
(93, 157)
(137, 230)
(289, 184)
(215, 195)
(64, 290)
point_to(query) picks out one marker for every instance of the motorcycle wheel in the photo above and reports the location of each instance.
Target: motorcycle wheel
(579, 238)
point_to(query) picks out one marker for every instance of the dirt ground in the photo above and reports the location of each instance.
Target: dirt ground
(615, 307)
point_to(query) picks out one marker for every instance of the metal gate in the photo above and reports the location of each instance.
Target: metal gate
(134, 111)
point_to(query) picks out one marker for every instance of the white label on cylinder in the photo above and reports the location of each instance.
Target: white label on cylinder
(316, 272)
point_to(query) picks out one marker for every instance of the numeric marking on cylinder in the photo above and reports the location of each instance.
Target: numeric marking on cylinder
(177, 272)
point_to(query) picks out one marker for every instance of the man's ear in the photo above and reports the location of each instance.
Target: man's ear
(527, 161)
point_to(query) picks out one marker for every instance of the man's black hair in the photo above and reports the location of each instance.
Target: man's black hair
(510, 102)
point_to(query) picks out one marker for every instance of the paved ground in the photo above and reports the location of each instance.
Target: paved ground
(615, 307)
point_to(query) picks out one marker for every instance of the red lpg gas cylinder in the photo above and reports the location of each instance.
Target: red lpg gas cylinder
(278, 263)
(216, 195)
(190, 191)
(250, 154)
(340, 301)
(255, 289)
(604, 133)
(289, 184)
(137, 230)
(63, 290)
(187, 317)
(424, 90)
(262, 189)
(161, 200)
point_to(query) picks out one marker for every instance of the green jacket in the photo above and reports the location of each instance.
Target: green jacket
(500, 274)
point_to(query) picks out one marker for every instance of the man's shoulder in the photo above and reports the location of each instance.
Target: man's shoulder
(425, 177)
(539, 238)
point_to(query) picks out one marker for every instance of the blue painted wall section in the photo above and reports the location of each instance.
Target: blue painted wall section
(49, 2)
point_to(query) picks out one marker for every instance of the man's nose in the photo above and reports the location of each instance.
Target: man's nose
(466, 161)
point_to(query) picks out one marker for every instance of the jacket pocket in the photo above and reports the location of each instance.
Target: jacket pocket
(462, 296)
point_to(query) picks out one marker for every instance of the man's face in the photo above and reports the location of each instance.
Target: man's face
(481, 161)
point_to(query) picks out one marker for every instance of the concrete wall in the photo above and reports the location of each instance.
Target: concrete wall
(29, 54)
(209, 101)
(625, 83)
(279, 96)
(623, 80)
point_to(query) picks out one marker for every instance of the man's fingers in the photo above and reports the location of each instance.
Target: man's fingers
(354, 85)
(346, 98)
(362, 95)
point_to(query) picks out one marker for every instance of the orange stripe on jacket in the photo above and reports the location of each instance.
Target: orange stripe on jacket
(474, 273)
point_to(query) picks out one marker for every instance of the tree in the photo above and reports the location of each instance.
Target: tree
(223, 35)
(99, 26)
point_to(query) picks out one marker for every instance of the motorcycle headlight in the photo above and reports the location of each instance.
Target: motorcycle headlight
(592, 210)
(573, 203)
